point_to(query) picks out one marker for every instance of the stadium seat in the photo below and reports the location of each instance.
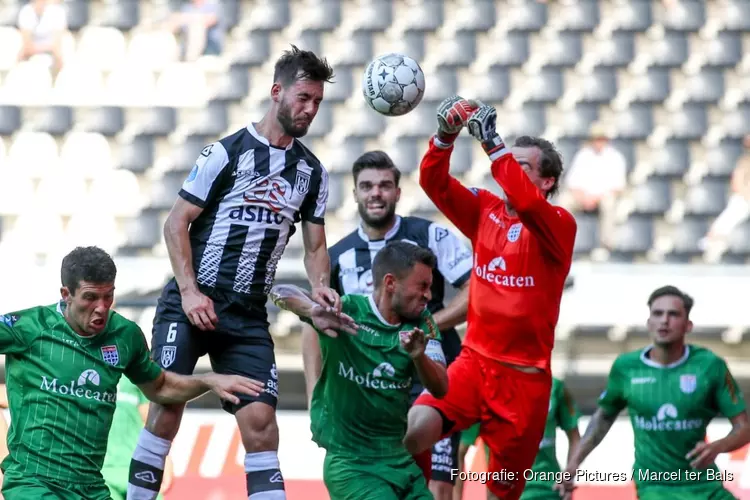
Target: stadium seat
(119, 15)
(462, 157)
(369, 16)
(93, 227)
(11, 42)
(163, 192)
(86, 153)
(101, 47)
(252, 49)
(670, 160)
(403, 152)
(10, 119)
(54, 120)
(634, 123)
(105, 120)
(38, 232)
(61, 192)
(652, 86)
(323, 122)
(340, 156)
(722, 158)
(684, 239)
(137, 154)
(335, 192)
(574, 16)
(183, 155)
(559, 49)
(686, 15)
(574, 122)
(78, 85)
(670, 51)
(615, 51)
(77, 13)
(316, 15)
(29, 83)
(130, 85)
(736, 122)
(443, 82)
(707, 86)
(587, 234)
(523, 16)
(33, 153)
(632, 16)
(707, 198)
(599, 86)
(16, 192)
(724, 50)
(210, 120)
(152, 50)
(734, 14)
(546, 86)
(233, 85)
(688, 122)
(117, 193)
(632, 238)
(471, 15)
(354, 49)
(141, 233)
(181, 85)
(739, 243)
(490, 86)
(653, 197)
(509, 49)
(422, 16)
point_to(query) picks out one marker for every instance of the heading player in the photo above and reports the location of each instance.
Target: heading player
(672, 390)
(360, 404)
(377, 192)
(63, 364)
(225, 235)
(523, 248)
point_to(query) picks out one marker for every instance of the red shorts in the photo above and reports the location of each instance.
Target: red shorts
(511, 407)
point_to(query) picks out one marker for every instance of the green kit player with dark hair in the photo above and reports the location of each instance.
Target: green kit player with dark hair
(63, 363)
(672, 390)
(361, 400)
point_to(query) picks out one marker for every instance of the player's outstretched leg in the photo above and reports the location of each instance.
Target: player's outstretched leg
(150, 455)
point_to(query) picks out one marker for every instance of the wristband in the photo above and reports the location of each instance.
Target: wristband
(437, 142)
(494, 147)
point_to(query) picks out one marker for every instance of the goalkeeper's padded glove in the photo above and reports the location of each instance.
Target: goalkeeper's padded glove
(452, 115)
(481, 126)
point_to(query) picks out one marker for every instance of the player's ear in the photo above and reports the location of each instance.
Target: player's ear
(65, 293)
(689, 327)
(389, 282)
(398, 194)
(276, 90)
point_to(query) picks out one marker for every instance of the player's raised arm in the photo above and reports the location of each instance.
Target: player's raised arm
(325, 319)
(731, 403)
(554, 226)
(460, 204)
(209, 173)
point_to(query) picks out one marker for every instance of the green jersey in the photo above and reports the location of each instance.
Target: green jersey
(670, 408)
(126, 425)
(62, 390)
(360, 403)
(563, 413)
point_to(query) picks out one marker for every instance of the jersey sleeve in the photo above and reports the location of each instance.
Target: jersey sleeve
(554, 226)
(454, 257)
(613, 399)
(314, 207)
(434, 346)
(141, 368)
(460, 204)
(729, 398)
(205, 179)
(12, 339)
(567, 410)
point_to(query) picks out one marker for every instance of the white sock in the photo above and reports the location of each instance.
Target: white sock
(264, 479)
(147, 466)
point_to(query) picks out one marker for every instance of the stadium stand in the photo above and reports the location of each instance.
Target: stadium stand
(97, 152)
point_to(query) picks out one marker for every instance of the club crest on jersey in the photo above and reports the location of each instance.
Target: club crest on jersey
(514, 232)
(110, 355)
(688, 383)
(302, 183)
(168, 355)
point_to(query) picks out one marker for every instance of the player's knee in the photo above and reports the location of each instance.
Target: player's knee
(424, 429)
(164, 420)
(258, 427)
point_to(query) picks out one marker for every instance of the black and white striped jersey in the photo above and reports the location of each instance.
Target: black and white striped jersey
(352, 256)
(252, 194)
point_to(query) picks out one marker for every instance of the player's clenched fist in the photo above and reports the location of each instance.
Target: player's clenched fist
(414, 342)
(452, 115)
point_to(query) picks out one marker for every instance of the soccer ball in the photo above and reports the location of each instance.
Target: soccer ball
(393, 84)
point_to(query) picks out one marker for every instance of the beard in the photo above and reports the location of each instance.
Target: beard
(284, 116)
(398, 308)
(377, 222)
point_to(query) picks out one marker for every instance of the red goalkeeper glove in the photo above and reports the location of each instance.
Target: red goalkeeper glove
(452, 115)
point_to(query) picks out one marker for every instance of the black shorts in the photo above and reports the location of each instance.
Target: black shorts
(240, 345)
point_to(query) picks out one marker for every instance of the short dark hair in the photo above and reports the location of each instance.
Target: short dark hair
(296, 64)
(90, 264)
(672, 291)
(550, 163)
(378, 160)
(398, 258)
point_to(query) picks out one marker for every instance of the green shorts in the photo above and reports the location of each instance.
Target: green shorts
(713, 490)
(351, 478)
(117, 482)
(18, 487)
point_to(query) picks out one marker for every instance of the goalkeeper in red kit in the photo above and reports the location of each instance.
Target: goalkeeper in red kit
(523, 248)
